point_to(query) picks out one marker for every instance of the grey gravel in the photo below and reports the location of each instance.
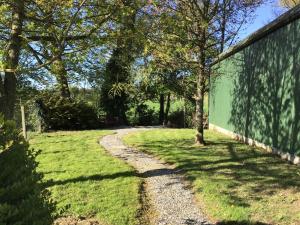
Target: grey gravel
(171, 199)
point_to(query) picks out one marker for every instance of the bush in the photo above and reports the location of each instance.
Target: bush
(58, 113)
(22, 198)
(146, 116)
(132, 116)
(176, 119)
(142, 116)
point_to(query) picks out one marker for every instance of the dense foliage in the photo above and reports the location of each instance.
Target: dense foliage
(57, 113)
(143, 115)
(22, 198)
(127, 52)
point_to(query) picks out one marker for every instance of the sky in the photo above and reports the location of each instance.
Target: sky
(264, 15)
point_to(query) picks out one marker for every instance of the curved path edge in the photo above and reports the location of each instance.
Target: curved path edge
(169, 196)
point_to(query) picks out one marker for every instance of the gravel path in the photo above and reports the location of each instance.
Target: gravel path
(170, 198)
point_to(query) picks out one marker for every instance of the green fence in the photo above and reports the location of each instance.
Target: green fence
(255, 92)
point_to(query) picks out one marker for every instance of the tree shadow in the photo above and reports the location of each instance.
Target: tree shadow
(230, 163)
(264, 101)
(256, 93)
(100, 177)
(96, 177)
(240, 223)
(56, 152)
(158, 172)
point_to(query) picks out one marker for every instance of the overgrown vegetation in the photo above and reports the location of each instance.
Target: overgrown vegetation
(23, 199)
(84, 180)
(234, 182)
(57, 113)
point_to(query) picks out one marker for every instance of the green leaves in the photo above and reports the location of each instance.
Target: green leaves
(22, 198)
(59, 113)
(117, 89)
(8, 134)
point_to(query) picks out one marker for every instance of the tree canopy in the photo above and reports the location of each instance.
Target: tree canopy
(125, 52)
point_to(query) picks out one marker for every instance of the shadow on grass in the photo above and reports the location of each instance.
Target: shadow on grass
(57, 152)
(240, 223)
(158, 172)
(233, 165)
(98, 177)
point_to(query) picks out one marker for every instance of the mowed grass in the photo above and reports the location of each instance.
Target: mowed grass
(232, 181)
(84, 180)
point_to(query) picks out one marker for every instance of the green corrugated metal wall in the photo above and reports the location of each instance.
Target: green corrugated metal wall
(256, 92)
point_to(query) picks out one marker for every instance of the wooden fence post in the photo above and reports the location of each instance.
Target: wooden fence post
(23, 122)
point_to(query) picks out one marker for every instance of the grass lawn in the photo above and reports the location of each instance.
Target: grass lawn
(85, 180)
(235, 182)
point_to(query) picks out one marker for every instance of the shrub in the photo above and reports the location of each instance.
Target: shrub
(180, 119)
(142, 115)
(132, 117)
(146, 115)
(58, 113)
(176, 119)
(22, 198)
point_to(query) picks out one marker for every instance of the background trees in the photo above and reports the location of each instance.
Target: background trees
(62, 29)
(131, 26)
(193, 33)
(114, 97)
(122, 52)
(48, 31)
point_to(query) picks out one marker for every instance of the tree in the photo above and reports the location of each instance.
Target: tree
(11, 57)
(60, 29)
(131, 26)
(49, 30)
(194, 34)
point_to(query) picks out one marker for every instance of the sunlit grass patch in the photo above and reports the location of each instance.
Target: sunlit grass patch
(235, 182)
(85, 180)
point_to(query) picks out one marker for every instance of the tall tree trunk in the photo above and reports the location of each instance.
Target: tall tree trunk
(2, 102)
(161, 108)
(11, 61)
(167, 109)
(60, 72)
(223, 27)
(118, 67)
(199, 107)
